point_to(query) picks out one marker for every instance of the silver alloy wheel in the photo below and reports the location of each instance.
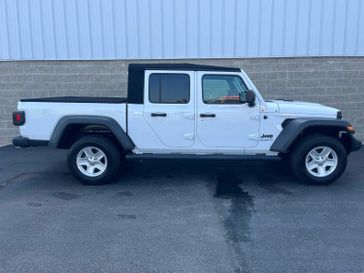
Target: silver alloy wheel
(91, 161)
(321, 161)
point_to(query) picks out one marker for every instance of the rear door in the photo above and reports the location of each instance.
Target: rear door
(222, 120)
(169, 106)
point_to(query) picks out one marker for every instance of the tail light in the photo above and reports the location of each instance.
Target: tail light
(18, 118)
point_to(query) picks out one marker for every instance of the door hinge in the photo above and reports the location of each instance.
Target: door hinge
(189, 136)
(254, 116)
(189, 116)
(253, 137)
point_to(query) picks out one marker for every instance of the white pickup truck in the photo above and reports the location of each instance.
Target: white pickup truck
(187, 111)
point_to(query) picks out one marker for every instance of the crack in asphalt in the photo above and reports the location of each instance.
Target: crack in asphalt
(7, 181)
(11, 179)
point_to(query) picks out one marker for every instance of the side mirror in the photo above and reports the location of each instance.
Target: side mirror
(247, 97)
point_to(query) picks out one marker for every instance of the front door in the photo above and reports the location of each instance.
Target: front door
(223, 121)
(169, 106)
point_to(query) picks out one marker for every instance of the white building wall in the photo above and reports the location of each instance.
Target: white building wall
(149, 29)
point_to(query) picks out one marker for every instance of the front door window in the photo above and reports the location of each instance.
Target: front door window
(222, 89)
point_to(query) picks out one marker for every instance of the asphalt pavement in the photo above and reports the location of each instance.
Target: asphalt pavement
(177, 216)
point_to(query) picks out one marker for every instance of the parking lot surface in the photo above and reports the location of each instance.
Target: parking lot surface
(177, 216)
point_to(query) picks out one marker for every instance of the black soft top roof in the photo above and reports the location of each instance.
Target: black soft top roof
(180, 66)
(136, 75)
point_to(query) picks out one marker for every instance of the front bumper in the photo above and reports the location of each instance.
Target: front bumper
(26, 142)
(351, 143)
(355, 144)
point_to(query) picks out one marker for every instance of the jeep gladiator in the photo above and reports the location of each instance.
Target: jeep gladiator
(187, 111)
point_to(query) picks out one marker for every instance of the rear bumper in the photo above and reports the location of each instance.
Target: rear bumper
(24, 142)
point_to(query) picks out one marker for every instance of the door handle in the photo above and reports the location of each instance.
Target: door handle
(207, 115)
(158, 114)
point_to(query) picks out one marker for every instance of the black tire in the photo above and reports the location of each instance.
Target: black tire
(111, 151)
(304, 146)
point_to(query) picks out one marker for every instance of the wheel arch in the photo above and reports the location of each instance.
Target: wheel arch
(296, 129)
(69, 128)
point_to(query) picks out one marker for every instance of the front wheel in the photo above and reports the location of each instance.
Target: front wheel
(94, 160)
(319, 159)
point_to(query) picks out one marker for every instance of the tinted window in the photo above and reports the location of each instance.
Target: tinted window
(222, 89)
(169, 88)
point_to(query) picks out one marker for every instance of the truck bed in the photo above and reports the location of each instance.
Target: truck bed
(78, 99)
(43, 114)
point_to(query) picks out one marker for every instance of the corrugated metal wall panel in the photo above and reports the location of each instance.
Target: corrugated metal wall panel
(143, 29)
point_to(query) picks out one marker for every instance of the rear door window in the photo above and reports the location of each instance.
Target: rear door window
(169, 88)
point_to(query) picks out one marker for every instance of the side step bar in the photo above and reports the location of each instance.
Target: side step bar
(203, 157)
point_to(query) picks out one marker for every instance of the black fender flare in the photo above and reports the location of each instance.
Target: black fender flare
(108, 122)
(296, 126)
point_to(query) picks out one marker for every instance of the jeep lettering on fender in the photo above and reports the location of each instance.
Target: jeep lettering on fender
(266, 137)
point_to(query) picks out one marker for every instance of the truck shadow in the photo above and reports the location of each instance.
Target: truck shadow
(268, 175)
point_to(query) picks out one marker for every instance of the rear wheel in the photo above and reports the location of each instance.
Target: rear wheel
(94, 160)
(318, 159)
